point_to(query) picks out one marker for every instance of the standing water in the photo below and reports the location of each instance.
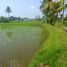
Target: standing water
(18, 45)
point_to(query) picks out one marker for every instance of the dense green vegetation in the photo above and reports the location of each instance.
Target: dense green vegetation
(52, 9)
(53, 52)
(65, 23)
(20, 23)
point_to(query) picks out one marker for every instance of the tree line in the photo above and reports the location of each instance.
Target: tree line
(10, 18)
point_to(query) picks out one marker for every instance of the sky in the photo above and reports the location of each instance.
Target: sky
(21, 8)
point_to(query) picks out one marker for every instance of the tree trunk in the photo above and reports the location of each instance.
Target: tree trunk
(8, 15)
(63, 14)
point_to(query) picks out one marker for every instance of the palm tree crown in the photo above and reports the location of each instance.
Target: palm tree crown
(8, 10)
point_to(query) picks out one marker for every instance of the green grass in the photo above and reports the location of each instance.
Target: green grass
(54, 50)
(26, 23)
(16, 23)
(65, 23)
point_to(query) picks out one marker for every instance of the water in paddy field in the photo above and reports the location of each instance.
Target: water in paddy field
(18, 45)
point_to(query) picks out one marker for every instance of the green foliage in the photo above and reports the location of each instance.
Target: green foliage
(58, 24)
(65, 23)
(20, 23)
(53, 51)
(3, 19)
(11, 19)
(50, 9)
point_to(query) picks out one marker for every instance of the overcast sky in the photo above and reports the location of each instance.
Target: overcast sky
(22, 8)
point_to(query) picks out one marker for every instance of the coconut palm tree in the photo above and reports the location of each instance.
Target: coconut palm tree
(45, 8)
(52, 8)
(8, 10)
(49, 8)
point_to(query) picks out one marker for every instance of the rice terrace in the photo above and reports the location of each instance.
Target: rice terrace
(33, 33)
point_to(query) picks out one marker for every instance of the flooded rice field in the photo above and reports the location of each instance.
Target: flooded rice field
(18, 45)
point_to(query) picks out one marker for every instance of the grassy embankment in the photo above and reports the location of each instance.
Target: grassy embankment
(54, 50)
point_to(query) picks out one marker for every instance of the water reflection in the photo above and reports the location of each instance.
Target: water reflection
(18, 45)
(9, 37)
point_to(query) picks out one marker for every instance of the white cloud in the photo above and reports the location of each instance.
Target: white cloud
(56, 0)
(32, 7)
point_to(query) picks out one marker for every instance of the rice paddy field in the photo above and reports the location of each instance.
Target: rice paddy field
(29, 43)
